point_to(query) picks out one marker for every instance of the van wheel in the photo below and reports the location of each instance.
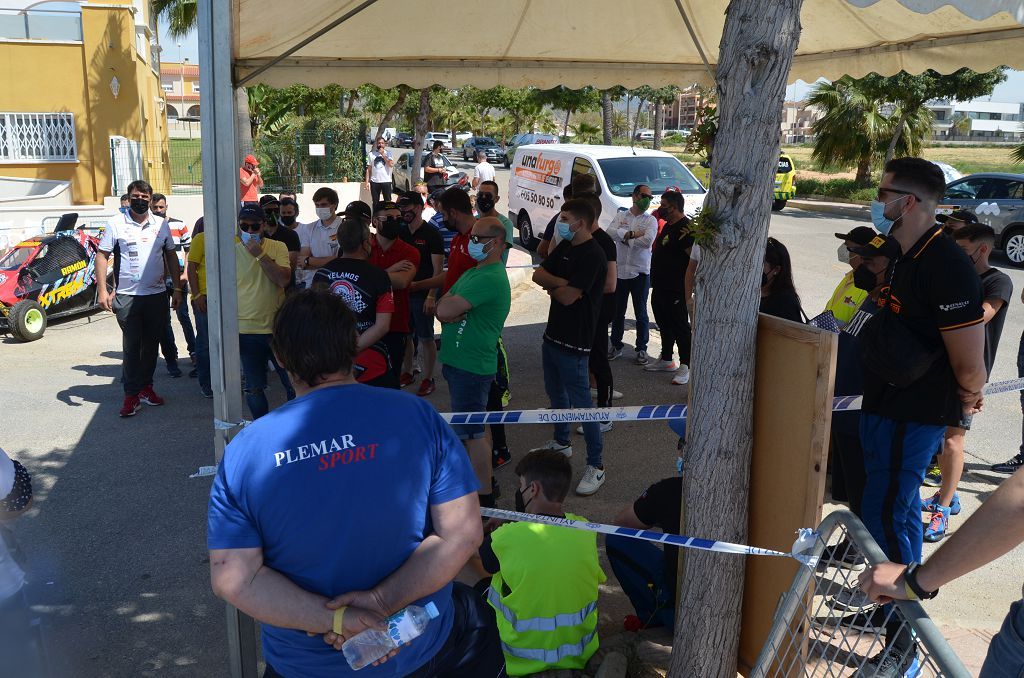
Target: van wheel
(1013, 245)
(27, 320)
(777, 205)
(507, 163)
(526, 238)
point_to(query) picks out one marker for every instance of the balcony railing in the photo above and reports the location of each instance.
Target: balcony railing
(40, 24)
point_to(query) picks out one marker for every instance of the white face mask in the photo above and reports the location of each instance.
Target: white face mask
(324, 213)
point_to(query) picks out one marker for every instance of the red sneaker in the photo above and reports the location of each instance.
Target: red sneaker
(632, 623)
(130, 407)
(149, 397)
(426, 388)
(405, 379)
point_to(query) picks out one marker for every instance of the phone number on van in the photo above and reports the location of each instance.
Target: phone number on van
(530, 196)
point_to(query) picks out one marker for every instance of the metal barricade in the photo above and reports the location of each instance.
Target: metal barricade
(825, 626)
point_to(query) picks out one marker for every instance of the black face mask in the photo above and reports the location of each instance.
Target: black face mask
(389, 228)
(484, 202)
(863, 279)
(288, 221)
(139, 205)
(408, 217)
(520, 503)
(272, 217)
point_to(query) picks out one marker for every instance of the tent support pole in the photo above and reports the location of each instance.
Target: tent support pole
(220, 208)
(696, 42)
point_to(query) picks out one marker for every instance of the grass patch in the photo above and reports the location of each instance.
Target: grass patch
(840, 189)
(186, 165)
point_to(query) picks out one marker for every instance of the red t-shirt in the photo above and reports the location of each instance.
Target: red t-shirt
(250, 193)
(459, 261)
(399, 251)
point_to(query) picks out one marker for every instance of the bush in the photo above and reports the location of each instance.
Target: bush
(284, 154)
(840, 189)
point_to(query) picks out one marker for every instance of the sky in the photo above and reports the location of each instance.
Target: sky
(1011, 90)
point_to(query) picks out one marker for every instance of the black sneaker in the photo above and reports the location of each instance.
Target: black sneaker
(495, 489)
(890, 663)
(173, 369)
(193, 373)
(499, 457)
(933, 478)
(1009, 467)
(872, 621)
(843, 555)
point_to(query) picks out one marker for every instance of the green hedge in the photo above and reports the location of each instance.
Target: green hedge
(840, 189)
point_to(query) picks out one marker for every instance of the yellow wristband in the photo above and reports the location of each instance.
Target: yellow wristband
(339, 619)
(909, 591)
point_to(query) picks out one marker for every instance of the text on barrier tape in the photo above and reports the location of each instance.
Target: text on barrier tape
(805, 539)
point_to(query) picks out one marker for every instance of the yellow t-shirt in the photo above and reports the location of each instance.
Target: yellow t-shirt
(197, 255)
(258, 296)
(846, 299)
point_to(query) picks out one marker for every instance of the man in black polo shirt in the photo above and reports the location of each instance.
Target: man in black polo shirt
(574, 277)
(429, 276)
(669, 262)
(924, 368)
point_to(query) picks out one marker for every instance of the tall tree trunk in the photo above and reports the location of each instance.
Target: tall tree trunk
(565, 130)
(659, 123)
(629, 100)
(636, 120)
(243, 122)
(756, 51)
(352, 96)
(863, 178)
(403, 92)
(606, 116)
(419, 132)
(891, 150)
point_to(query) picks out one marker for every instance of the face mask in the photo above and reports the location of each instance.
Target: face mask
(288, 221)
(324, 213)
(273, 218)
(564, 232)
(247, 237)
(476, 250)
(484, 202)
(520, 504)
(389, 228)
(863, 279)
(974, 257)
(844, 255)
(642, 203)
(139, 205)
(408, 217)
(679, 466)
(883, 224)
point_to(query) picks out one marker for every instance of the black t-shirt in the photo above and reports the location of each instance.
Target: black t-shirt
(572, 327)
(549, 230)
(850, 368)
(782, 304)
(934, 289)
(427, 241)
(671, 256)
(365, 288)
(995, 285)
(434, 180)
(659, 506)
(607, 300)
(291, 240)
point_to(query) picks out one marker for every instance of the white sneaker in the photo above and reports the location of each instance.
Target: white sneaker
(682, 376)
(605, 427)
(593, 479)
(642, 358)
(554, 446)
(616, 395)
(852, 600)
(662, 366)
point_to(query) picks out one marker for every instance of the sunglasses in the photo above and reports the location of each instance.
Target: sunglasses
(477, 239)
(249, 227)
(645, 195)
(882, 189)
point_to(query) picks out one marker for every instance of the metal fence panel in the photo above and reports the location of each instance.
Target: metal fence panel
(825, 626)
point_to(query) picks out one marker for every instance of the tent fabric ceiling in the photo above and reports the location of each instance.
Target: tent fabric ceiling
(545, 43)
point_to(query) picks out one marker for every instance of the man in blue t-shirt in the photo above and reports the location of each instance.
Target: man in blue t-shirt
(325, 517)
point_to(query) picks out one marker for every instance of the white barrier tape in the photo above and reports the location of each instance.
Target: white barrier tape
(221, 425)
(805, 540)
(204, 471)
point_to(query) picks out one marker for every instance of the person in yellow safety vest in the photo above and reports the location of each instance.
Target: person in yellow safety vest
(545, 578)
(847, 297)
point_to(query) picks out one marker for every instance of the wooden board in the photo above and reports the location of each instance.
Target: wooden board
(793, 388)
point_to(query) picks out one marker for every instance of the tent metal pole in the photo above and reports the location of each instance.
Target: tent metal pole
(220, 208)
(696, 42)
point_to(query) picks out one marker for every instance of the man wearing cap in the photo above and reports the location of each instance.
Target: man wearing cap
(319, 239)
(272, 229)
(378, 172)
(249, 179)
(429, 276)
(261, 274)
(847, 297)
(400, 261)
(953, 221)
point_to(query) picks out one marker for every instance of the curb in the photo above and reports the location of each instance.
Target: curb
(847, 210)
(519, 276)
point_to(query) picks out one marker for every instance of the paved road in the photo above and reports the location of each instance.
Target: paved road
(116, 538)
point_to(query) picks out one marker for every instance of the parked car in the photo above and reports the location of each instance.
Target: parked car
(997, 199)
(785, 180)
(523, 140)
(48, 277)
(444, 137)
(401, 175)
(495, 153)
(540, 172)
(645, 135)
(403, 140)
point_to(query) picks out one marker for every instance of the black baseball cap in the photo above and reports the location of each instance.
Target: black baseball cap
(878, 246)
(958, 215)
(269, 200)
(410, 198)
(358, 208)
(252, 211)
(384, 205)
(861, 235)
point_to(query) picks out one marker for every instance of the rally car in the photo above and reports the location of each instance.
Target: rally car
(46, 277)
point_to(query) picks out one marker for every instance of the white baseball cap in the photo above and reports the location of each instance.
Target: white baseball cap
(6, 474)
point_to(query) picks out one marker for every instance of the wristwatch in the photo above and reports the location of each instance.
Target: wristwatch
(910, 578)
(305, 263)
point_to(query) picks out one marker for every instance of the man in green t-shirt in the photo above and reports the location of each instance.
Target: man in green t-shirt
(472, 314)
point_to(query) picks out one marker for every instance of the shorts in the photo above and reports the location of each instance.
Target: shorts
(422, 324)
(468, 392)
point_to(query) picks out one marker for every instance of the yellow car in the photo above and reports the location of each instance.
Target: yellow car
(785, 180)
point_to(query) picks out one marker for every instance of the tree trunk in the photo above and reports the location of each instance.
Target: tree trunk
(636, 120)
(606, 116)
(756, 51)
(243, 122)
(659, 123)
(889, 152)
(863, 178)
(403, 92)
(629, 100)
(352, 96)
(419, 132)
(565, 130)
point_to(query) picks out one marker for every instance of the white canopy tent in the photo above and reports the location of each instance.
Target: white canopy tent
(540, 43)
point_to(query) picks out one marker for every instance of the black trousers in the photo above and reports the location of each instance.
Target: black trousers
(142, 320)
(598, 361)
(395, 342)
(379, 188)
(496, 397)
(673, 323)
(848, 474)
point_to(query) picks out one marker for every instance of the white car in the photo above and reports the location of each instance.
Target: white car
(444, 137)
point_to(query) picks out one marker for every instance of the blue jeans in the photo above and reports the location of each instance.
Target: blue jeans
(896, 455)
(254, 351)
(469, 393)
(1006, 652)
(638, 288)
(202, 347)
(567, 383)
(640, 568)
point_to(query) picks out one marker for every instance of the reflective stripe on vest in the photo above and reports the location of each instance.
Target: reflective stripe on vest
(549, 656)
(542, 623)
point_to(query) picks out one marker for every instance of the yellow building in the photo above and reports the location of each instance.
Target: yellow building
(180, 83)
(82, 96)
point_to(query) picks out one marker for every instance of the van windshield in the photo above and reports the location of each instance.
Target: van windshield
(660, 173)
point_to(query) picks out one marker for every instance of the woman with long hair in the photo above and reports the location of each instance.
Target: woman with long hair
(778, 294)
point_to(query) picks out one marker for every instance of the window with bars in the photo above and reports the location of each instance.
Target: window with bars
(37, 137)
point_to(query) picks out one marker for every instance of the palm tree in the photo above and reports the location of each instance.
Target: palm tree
(584, 132)
(606, 116)
(850, 129)
(1017, 154)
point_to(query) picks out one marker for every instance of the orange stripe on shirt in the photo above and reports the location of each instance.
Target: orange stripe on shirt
(929, 242)
(956, 327)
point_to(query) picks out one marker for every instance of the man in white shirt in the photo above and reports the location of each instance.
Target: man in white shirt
(378, 172)
(318, 240)
(633, 231)
(484, 171)
(144, 246)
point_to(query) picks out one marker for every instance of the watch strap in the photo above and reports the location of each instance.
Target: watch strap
(910, 579)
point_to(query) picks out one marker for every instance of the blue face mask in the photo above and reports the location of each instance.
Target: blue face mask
(679, 466)
(476, 250)
(882, 223)
(564, 232)
(245, 237)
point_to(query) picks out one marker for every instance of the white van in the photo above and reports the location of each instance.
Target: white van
(539, 172)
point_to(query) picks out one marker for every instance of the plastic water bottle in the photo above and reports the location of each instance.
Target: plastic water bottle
(367, 647)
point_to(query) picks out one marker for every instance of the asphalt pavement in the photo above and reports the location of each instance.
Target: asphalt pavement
(116, 538)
